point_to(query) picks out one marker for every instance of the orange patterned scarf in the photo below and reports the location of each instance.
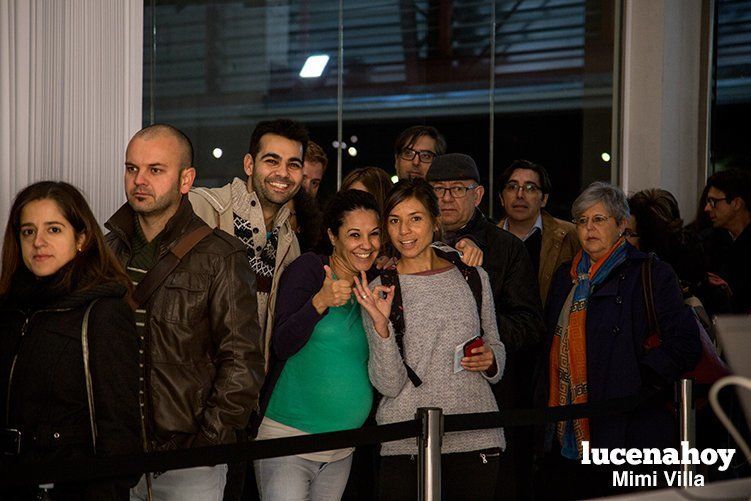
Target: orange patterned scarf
(568, 354)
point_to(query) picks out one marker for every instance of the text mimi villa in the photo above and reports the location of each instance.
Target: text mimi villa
(668, 456)
(672, 479)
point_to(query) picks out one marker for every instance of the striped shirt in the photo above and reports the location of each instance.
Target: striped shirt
(144, 257)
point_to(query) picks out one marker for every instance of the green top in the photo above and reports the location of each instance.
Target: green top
(325, 386)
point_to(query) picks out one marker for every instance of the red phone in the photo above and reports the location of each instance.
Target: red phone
(470, 345)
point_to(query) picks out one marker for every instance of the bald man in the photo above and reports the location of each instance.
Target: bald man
(201, 351)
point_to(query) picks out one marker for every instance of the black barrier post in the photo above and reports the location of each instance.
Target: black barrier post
(687, 416)
(429, 454)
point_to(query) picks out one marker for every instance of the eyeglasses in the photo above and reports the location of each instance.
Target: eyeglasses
(598, 220)
(456, 191)
(426, 156)
(628, 233)
(529, 188)
(713, 201)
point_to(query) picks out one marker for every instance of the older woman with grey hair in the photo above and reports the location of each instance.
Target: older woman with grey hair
(597, 348)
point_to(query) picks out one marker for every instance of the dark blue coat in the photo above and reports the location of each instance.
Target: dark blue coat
(617, 364)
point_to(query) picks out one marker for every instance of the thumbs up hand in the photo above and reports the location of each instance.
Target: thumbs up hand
(333, 292)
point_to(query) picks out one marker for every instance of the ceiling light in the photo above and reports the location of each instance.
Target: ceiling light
(314, 66)
(217, 153)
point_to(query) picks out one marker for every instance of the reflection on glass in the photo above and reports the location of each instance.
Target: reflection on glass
(221, 66)
(732, 93)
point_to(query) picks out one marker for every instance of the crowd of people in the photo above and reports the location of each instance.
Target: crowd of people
(211, 316)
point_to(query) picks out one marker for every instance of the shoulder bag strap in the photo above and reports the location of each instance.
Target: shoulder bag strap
(474, 281)
(87, 371)
(389, 277)
(649, 300)
(167, 264)
(470, 274)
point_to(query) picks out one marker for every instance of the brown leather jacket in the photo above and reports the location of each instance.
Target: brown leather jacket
(203, 359)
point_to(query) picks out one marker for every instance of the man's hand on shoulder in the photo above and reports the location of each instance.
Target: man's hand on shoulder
(471, 254)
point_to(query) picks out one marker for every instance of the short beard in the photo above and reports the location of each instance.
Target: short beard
(265, 199)
(161, 205)
(154, 211)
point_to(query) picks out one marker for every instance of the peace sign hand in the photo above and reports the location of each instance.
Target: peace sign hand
(376, 302)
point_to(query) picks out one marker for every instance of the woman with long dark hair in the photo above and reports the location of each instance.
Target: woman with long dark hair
(318, 375)
(656, 226)
(68, 345)
(444, 359)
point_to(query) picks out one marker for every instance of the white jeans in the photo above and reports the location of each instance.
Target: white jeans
(292, 478)
(205, 483)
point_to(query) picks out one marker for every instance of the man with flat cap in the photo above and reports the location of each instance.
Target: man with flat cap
(456, 181)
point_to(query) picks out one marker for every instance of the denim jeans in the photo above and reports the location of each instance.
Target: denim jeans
(205, 483)
(292, 478)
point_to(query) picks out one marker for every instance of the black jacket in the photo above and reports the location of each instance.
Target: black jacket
(730, 259)
(514, 282)
(42, 384)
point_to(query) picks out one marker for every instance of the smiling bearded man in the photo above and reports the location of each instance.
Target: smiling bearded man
(254, 211)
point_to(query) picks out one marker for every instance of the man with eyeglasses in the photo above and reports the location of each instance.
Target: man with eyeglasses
(729, 208)
(456, 181)
(525, 188)
(415, 149)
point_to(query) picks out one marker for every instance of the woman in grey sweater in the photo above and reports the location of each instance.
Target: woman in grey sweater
(440, 315)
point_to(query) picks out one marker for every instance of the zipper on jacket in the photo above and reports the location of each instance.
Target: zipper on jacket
(12, 369)
(485, 457)
(24, 327)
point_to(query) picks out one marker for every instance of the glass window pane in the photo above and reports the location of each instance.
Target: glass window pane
(222, 66)
(732, 93)
(553, 92)
(546, 78)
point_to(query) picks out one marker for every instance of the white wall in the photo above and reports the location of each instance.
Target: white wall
(70, 95)
(663, 132)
